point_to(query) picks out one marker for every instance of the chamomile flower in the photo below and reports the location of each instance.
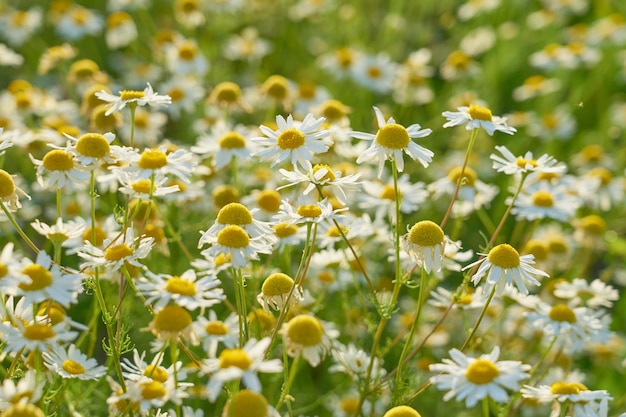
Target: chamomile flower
(211, 332)
(540, 201)
(402, 411)
(72, 364)
(33, 336)
(92, 148)
(594, 294)
(133, 184)
(60, 231)
(425, 245)
(354, 362)
(278, 291)
(9, 192)
(28, 389)
(58, 169)
(235, 242)
(307, 213)
(472, 379)
(10, 271)
(240, 364)
(171, 324)
(582, 401)
(179, 163)
(133, 97)
(511, 164)
(322, 175)
(224, 143)
(473, 193)
(186, 290)
(309, 337)
(117, 252)
(380, 196)
(503, 267)
(474, 117)
(293, 141)
(391, 140)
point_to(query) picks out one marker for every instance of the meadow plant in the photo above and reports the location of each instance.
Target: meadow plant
(247, 208)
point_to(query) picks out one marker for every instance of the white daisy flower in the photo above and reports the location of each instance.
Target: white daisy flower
(278, 291)
(27, 337)
(512, 164)
(186, 290)
(72, 364)
(540, 201)
(307, 213)
(472, 379)
(321, 175)
(28, 389)
(353, 361)
(10, 271)
(380, 196)
(294, 141)
(59, 169)
(233, 241)
(505, 267)
(425, 245)
(9, 192)
(128, 97)
(468, 300)
(116, 252)
(594, 294)
(224, 143)
(582, 401)
(133, 184)
(391, 140)
(240, 364)
(60, 231)
(179, 163)
(92, 148)
(212, 331)
(474, 117)
(171, 324)
(309, 337)
(6, 140)
(138, 369)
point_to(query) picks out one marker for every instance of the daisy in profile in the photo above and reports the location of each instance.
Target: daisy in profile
(425, 244)
(239, 215)
(511, 164)
(34, 336)
(473, 379)
(240, 364)
(307, 213)
(117, 252)
(595, 294)
(474, 117)
(278, 291)
(9, 192)
(187, 290)
(503, 267)
(309, 337)
(293, 141)
(581, 401)
(72, 363)
(322, 175)
(133, 98)
(391, 140)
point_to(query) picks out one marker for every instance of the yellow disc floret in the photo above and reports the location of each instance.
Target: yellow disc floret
(283, 230)
(426, 233)
(58, 160)
(235, 357)
(157, 373)
(328, 176)
(40, 278)
(23, 409)
(309, 210)
(216, 328)
(234, 213)
(93, 145)
(542, 198)
(142, 186)
(118, 252)
(7, 185)
(172, 318)
(277, 284)
(290, 138)
(151, 390)
(480, 113)
(562, 312)
(269, 200)
(593, 224)
(402, 411)
(305, 330)
(152, 159)
(233, 236)
(232, 140)
(393, 136)
(72, 367)
(469, 176)
(132, 94)
(182, 286)
(567, 388)
(505, 256)
(38, 331)
(247, 403)
(481, 371)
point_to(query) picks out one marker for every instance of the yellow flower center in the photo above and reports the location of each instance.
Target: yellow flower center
(562, 312)
(117, 19)
(247, 403)
(535, 82)
(305, 330)
(542, 198)
(458, 59)
(93, 145)
(592, 153)
(557, 244)
(329, 176)
(349, 406)
(187, 50)
(38, 331)
(603, 174)
(402, 411)
(58, 160)
(426, 233)
(234, 213)
(151, 390)
(290, 138)
(232, 140)
(465, 299)
(335, 231)
(550, 121)
(480, 113)
(221, 259)
(152, 159)
(504, 256)
(158, 373)
(224, 194)
(226, 92)
(277, 284)
(235, 357)
(100, 235)
(40, 277)
(7, 185)
(23, 409)
(117, 252)
(182, 286)
(326, 277)
(333, 110)
(55, 312)
(132, 95)
(84, 68)
(393, 136)
(4, 269)
(523, 162)
(72, 367)
(269, 200)
(389, 193)
(261, 320)
(216, 328)
(276, 87)
(172, 318)
(567, 388)
(233, 236)
(469, 176)
(142, 186)
(481, 371)
(547, 176)
(538, 248)
(593, 224)
(309, 210)
(283, 230)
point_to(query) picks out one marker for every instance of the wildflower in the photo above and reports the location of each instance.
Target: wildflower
(117, 252)
(321, 175)
(354, 362)
(375, 72)
(10, 271)
(28, 390)
(425, 245)
(19, 25)
(72, 364)
(60, 231)
(381, 196)
(59, 169)
(9, 57)
(48, 282)
(53, 55)
(185, 93)
(212, 331)
(34, 336)
(472, 379)
(238, 214)
(582, 401)
(250, 404)
(135, 185)
(307, 213)
(159, 160)
(92, 148)
(240, 363)
(278, 291)
(224, 144)
(308, 337)
(594, 294)
(468, 300)
(172, 322)
(536, 86)
(23, 409)
(389, 142)
(246, 46)
(186, 290)
(474, 117)
(504, 267)
(134, 98)
(77, 22)
(228, 95)
(554, 124)
(138, 369)
(293, 141)
(512, 164)
(540, 201)
(235, 242)
(120, 30)
(185, 58)
(9, 191)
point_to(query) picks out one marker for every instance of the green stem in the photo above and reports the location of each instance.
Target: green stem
(480, 318)
(240, 299)
(486, 407)
(289, 381)
(18, 228)
(58, 202)
(132, 107)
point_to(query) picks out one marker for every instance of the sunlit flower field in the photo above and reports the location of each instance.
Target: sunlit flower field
(361, 208)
